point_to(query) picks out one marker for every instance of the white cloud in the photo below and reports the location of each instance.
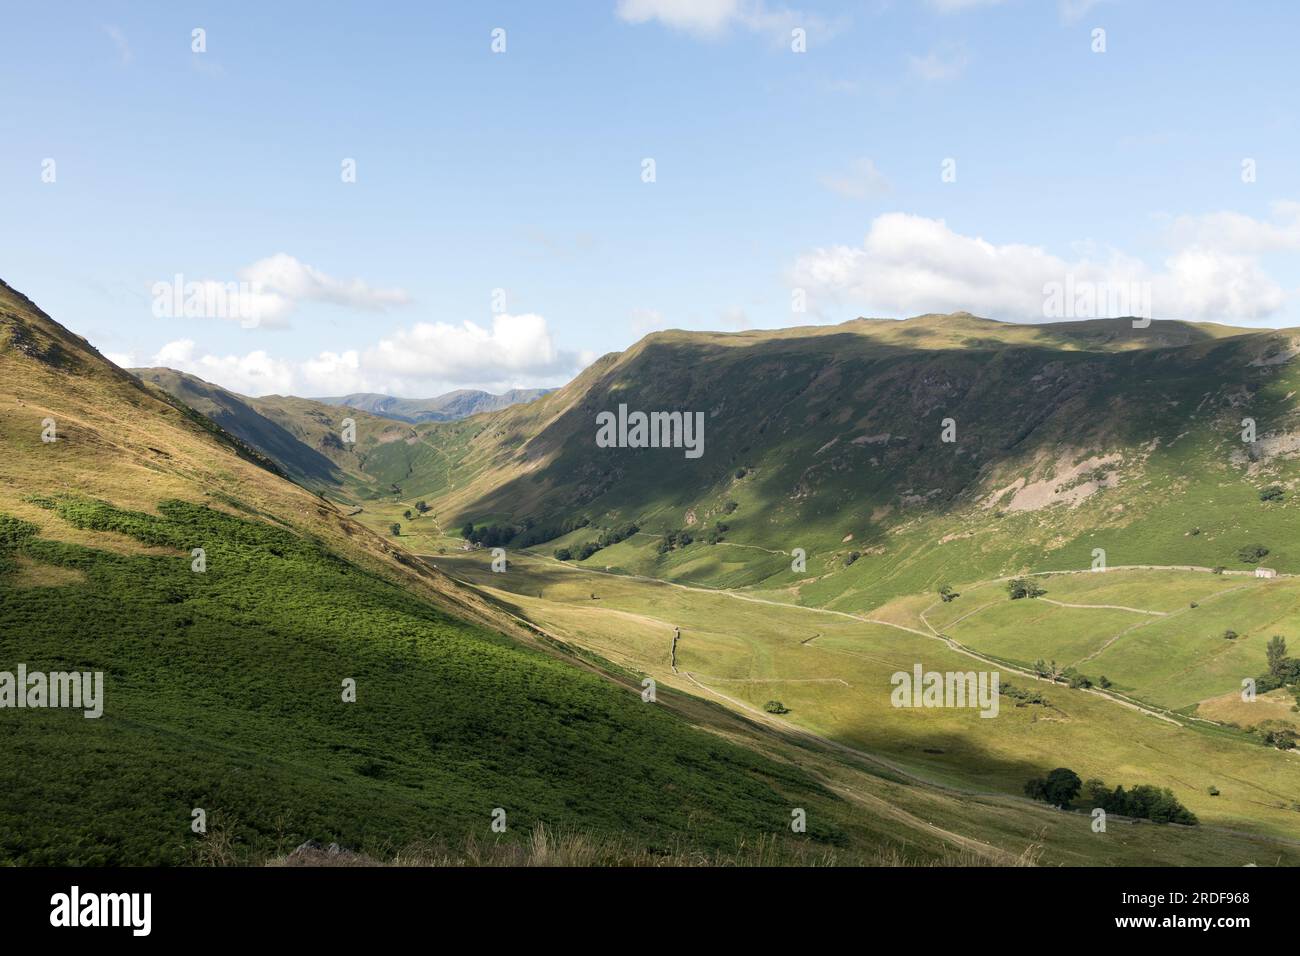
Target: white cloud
(954, 6)
(255, 373)
(423, 360)
(267, 292)
(298, 282)
(862, 180)
(910, 264)
(1235, 232)
(712, 18)
(1074, 10)
(515, 344)
(939, 64)
(694, 16)
(119, 41)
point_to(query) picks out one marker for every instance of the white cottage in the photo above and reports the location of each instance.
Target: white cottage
(1265, 573)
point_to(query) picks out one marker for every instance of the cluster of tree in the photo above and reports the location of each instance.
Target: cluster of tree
(535, 534)
(1143, 802)
(948, 594)
(488, 535)
(1022, 696)
(716, 533)
(674, 540)
(1024, 588)
(583, 551)
(1276, 733)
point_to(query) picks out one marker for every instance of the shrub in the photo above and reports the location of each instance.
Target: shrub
(1272, 493)
(776, 707)
(395, 528)
(1252, 553)
(851, 557)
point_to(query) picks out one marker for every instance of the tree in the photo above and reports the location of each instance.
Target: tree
(1230, 635)
(466, 532)
(948, 594)
(407, 514)
(1272, 493)
(1024, 588)
(1061, 786)
(421, 506)
(776, 707)
(851, 557)
(395, 528)
(1276, 654)
(563, 554)
(1103, 681)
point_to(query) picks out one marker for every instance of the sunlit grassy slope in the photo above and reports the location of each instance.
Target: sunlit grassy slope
(833, 670)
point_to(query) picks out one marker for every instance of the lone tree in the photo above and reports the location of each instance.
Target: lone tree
(948, 594)
(776, 707)
(1024, 588)
(1061, 786)
(395, 528)
(1276, 651)
(421, 506)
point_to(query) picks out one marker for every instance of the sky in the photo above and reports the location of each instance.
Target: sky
(320, 198)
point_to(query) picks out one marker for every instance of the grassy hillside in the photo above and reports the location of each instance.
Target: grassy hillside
(1068, 438)
(224, 688)
(832, 671)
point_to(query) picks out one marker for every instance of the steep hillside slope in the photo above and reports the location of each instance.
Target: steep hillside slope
(307, 445)
(227, 669)
(1064, 438)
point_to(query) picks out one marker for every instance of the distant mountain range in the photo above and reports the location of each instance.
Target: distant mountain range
(453, 406)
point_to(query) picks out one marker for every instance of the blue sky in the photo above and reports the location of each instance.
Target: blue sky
(500, 231)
